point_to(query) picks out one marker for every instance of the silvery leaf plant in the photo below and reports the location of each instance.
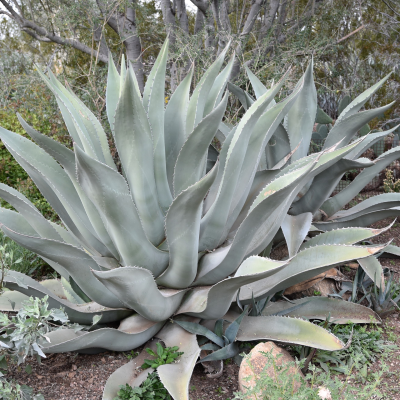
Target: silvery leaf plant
(177, 235)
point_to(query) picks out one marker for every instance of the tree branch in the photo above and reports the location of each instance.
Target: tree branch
(391, 8)
(351, 34)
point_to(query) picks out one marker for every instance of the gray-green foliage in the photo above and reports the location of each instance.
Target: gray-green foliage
(24, 335)
(174, 235)
(10, 390)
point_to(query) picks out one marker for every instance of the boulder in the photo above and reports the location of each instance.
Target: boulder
(253, 365)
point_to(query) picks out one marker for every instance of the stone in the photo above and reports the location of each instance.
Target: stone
(257, 363)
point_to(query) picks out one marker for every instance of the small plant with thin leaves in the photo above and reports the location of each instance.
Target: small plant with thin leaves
(25, 334)
(163, 356)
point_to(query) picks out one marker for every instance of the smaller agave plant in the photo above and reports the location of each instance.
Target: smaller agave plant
(180, 236)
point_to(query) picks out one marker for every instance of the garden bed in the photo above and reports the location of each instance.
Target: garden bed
(73, 376)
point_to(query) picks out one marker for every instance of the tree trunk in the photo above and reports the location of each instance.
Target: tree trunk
(244, 35)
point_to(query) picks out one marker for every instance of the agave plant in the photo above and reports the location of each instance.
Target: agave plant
(171, 235)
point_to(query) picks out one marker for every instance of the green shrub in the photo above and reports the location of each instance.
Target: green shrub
(151, 389)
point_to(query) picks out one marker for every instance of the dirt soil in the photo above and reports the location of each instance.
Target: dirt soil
(72, 376)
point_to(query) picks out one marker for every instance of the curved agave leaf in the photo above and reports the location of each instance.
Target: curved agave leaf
(295, 229)
(58, 151)
(112, 92)
(324, 184)
(28, 211)
(360, 100)
(305, 265)
(365, 219)
(132, 332)
(229, 351)
(214, 302)
(131, 128)
(277, 148)
(175, 125)
(66, 158)
(369, 141)
(338, 311)
(154, 101)
(182, 227)
(376, 203)
(245, 99)
(337, 202)
(153, 78)
(345, 129)
(73, 119)
(136, 289)
(18, 223)
(101, 183)
(176, 377)
(200, 95)
(262, 132)
(261, 179)
(287, 330)
(343, 236)
(257, 85)
(301, 117)
(379, 202)
(86, 120)
(373, 269)
(260, 226)
(213, 229)
(218, 87)
(391, 251)
(190, 164)
(70, 294)
(212, 195)
(284, 160)
(74, 260)
(56, 187)
(79, 313)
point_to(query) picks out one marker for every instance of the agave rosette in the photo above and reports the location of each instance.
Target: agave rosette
(177, 233)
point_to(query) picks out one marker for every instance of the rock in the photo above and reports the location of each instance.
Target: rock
(257, 363)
